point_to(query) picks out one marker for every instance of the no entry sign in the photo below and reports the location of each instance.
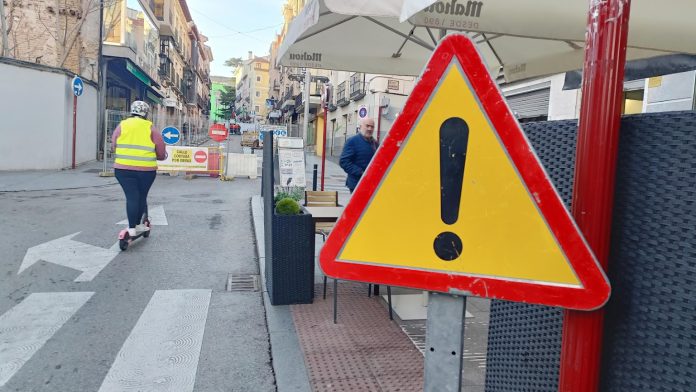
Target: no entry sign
(218, 132)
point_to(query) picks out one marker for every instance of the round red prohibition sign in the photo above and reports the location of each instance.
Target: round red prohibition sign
(200, 156)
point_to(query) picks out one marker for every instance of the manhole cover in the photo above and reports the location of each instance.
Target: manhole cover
(243, 283)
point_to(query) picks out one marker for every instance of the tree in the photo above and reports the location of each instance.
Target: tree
(63, 22)
(234, 62)
(226, 102)
(70, 24)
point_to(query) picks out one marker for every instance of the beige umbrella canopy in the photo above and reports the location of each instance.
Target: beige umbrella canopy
(524, 38)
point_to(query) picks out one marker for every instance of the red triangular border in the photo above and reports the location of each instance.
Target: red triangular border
(595, 291)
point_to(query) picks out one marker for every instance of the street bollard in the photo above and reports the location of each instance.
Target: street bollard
(314, 178)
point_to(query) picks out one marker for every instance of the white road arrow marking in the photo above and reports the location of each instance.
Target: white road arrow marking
(79, 256)
(25, 328)
(162, 351)
(157, 217)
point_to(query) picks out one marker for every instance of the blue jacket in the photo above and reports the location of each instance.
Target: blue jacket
(356, 155)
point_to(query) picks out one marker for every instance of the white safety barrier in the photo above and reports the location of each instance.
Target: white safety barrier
(242, 165)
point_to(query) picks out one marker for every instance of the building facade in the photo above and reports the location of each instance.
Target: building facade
(350, 92)
(544, 99)
(130, 49)
(252, 77)
(154, 52)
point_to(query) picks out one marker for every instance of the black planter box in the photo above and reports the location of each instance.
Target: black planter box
(290, 269)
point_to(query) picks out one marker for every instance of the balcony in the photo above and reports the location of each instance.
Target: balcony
(165, 68)
(357, 86)
(204, 104)
(299, 103)
(341, 99)
(316, 89)
(288, 101)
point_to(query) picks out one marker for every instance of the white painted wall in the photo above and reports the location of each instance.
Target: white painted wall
(674, 92)
(563, 105)
(36, 126)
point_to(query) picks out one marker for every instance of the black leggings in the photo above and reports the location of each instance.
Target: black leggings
(136, 185)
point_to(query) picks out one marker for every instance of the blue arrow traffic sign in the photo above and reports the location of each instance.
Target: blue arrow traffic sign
(171, 135)
(276, 133)
(77, 86)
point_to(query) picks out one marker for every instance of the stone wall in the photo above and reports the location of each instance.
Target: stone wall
(57, 33)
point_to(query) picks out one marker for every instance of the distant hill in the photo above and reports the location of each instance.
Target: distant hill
(222, 80)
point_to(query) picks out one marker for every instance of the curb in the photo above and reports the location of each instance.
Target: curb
(287, 358)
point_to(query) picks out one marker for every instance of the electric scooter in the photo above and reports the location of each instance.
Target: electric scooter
(125, 239)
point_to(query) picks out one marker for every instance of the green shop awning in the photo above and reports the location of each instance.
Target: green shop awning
(132, 68)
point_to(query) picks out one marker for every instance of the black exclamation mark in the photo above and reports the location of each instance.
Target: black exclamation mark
(454, 138)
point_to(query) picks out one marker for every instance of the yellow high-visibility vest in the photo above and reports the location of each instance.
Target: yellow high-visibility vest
(134, 147)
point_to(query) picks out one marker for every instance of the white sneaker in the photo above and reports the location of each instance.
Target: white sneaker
(131, 232)
(141, 228)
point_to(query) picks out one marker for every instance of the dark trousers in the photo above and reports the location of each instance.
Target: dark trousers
(136, 185)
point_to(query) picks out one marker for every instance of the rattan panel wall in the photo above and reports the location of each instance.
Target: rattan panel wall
(650, 332)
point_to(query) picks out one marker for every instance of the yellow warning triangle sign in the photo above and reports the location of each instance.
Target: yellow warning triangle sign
(455, 200)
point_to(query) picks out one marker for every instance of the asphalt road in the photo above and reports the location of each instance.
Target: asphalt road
(156, 317)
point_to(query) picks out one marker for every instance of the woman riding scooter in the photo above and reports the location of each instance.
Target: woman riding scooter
(138, 147)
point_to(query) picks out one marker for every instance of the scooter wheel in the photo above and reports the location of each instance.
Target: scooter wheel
(146, 222)
(123, 244)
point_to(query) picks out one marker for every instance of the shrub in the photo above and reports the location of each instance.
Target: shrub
(287, 206)
(295, 193)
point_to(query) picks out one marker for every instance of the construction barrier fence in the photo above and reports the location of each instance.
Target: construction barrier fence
(193, 133)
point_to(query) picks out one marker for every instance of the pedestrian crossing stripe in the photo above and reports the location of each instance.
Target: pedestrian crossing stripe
(26, 327)
(161, 352)
(455, 200)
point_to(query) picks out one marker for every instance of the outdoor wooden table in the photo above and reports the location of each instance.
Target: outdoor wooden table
(325, 214)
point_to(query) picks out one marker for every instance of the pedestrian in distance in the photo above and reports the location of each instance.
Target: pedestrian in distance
(358, 152)
(137, 147)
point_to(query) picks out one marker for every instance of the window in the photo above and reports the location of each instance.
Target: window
(258, 94)
(256, 109)
(157, 7)
(633, 102)
(258, 78)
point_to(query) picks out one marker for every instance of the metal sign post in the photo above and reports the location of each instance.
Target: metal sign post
(325, 104)
(77, 88)
(267, 192)
(444, 343)
(308, 82)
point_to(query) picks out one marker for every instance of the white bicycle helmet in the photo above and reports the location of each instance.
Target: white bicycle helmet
(140, 109)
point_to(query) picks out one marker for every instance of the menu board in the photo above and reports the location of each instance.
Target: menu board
(291, 162)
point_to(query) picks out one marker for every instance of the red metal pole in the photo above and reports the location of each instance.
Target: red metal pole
(323, 149)
(74, 129)
(595, 172)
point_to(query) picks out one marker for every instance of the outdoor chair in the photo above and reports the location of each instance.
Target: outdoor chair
(330, 199)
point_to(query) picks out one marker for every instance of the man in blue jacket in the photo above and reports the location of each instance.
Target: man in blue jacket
(358, 152)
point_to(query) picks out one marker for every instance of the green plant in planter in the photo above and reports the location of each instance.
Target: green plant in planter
(295, 193)
(287, 206)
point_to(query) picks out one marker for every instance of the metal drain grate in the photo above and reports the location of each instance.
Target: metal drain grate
(92, 171)
(243, 283)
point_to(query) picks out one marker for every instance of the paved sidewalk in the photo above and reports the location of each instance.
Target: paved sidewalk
(84, 176)
(364, 351)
